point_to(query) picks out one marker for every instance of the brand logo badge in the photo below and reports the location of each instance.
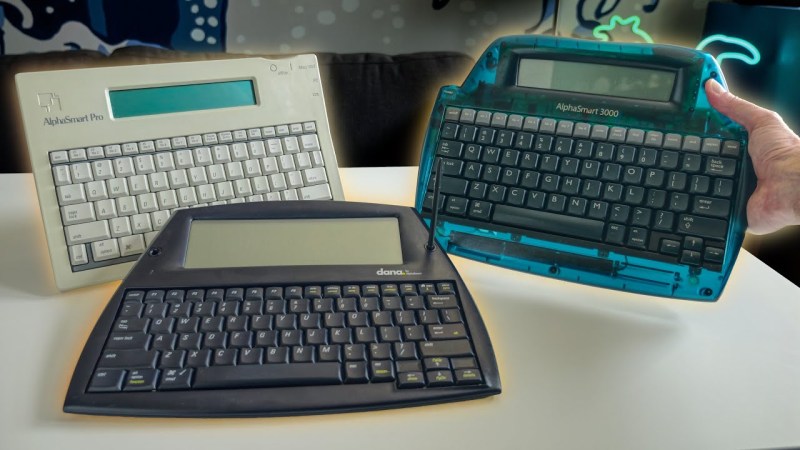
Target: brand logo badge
(397, 272)
(49, 101)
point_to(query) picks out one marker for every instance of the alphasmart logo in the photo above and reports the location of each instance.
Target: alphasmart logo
(49, 101)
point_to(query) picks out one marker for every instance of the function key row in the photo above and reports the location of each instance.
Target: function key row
(290, 292)
(673, 141)
(178, 142)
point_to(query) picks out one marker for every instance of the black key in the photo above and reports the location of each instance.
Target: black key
(550, 183)
(291, 337)
(463, 363)
(234, 294)
(366, 335)
(436, 363)
(505, 138)
(634, 195)
(670, 247)
(637, 238)
(175, 379)
(131, 324)
(405, 350)
(714, 255)
(669, 160)
(549, 222)
(491, 155)
(612, 192)
(563, 146)
(592, 188)
(268, 375)
(452, 167)
(530, 160)
(115, 359)
(619, 213)
(267, 338)
(536, 199)
(611, 172)
(441, 332)
(131, 309)
(225, 357)
(381, 371)
(409, 380)
(577, 206)
(557, 203)
(277, 355)
(724, 167)
(316, 336)
(626, 154)
(691, 162)
(391, 304)
(472, 170)
(355, 372)
(172, 359)
(323, 305)
(477, 189)
(256, 294)
(439, 378)
(346, 304)
(330, 353)
(286, 321)
(128, 341)
(509, 158)
(252, 307)
(405, 318)
(351, 290)
(605, 152)
(467, 133)
(228, 308)
(598, 210)
(382, 318)
(615, 234)
(530, 179)
(641, 217)
(355, 352)
(442, 301)
(450, 149)
(676, 181)
(205, 309)
(175, 295)
(524, 141)
(135, 296)
(241, 339)
(414, 333)
(570, 186)
(273, 293)
(195, 295)
(485, 136)
(215, 340)
(357, 319)
(302, 354)
(299, 305)
(456, 206)
(141, 380)
(723, 187)
(690, 257)
(708, 206)
(164, 341)
(212, 324)
(692, 243)
(516, 197)
(275, 306)
(261, 323)
(452, 316)
(491, 173)
(632, 175)
(215, 295)
(543, 143)
(654, 178)
(369, 304)
(198, 358)
(656, 198)
(549, 163)
(647, 157)
(408, 366)
(183, 310)
(510, 176)
(310, 320)
(679, 202)
(468, 376)
(154, 296)
(702, 226)
(449, 130)
(294, 292)
(457, 347)
(107, 380)
(380, 351)
(190, 341)
(583, 149)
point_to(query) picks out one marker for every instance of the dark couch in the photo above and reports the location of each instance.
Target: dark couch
(378, 105)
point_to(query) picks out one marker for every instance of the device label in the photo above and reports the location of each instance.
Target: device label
(580, 109)
(54, 121)
(400, 272)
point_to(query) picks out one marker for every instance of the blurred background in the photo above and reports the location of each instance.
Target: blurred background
(756, 42)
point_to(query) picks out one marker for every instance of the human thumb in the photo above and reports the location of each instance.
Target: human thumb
(739, 110)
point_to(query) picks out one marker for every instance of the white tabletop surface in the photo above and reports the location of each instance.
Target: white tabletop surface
(581, 367)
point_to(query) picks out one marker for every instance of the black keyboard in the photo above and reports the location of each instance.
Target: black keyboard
(411, 335)
(662, 196)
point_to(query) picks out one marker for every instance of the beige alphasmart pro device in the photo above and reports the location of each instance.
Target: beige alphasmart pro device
(115, 151)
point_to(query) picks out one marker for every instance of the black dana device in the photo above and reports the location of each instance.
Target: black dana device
(285, 308)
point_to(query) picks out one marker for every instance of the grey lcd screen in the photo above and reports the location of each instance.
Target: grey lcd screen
(597, 79)
(293, 242)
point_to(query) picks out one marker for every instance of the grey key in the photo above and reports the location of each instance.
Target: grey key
(672, 141)
(691, 143)
(617, 134)
(499, 119)
(531, 124)
(582, 130)
(452, 113)
(653, 138)
(87, 232)
(710, 146)
(730, 148)
(547, 126)
(483, 118)
(468, 115)
(515, 122)
(635, 136)
(600, 132)
(565, 128)
(317, 192)
(71, 194)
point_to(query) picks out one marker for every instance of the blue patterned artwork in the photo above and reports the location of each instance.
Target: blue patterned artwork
(105, 25)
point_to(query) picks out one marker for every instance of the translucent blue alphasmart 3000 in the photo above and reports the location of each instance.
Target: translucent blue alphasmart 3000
(600, 163)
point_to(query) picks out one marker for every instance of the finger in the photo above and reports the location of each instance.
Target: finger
(739, 110)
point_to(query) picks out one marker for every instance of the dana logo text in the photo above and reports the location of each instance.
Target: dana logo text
(400, 272)
(66, 120)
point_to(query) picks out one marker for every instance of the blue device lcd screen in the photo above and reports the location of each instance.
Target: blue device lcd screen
(181, 98)
(596, 79)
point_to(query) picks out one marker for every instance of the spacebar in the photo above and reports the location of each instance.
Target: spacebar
(549, 222)
(267, 375)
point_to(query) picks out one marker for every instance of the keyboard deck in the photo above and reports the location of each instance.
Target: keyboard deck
(660, 196)
(408, 335)
(115, 198)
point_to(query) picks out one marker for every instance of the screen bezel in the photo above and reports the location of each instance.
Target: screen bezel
(508, 74)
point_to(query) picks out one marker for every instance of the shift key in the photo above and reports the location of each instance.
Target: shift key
(87, 232)
(457, 347)
(702, 226)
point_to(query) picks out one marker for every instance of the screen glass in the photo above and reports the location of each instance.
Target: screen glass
(293, 242)
(183, 98)
(597, 79)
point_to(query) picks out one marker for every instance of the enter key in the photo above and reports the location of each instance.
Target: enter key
(715, 207)
(452, 331)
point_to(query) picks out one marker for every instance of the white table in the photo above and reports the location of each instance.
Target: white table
(581, 367)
